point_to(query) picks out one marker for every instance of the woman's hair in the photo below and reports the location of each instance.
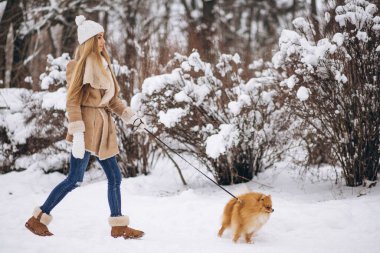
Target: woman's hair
(74, 91)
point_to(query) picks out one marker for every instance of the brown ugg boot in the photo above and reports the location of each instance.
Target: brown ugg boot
(38, 223)
(120, 228)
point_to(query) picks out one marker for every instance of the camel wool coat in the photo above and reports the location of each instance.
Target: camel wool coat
(93, 115)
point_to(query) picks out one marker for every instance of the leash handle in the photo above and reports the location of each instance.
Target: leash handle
(137, 123)
(224, 189)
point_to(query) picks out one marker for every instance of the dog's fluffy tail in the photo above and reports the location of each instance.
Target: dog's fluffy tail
(241, 189)
(227, 214)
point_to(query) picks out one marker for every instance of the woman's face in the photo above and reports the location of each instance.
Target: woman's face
(101, 41)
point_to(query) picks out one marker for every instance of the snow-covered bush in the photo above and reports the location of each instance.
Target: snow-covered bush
(334, 85)
(55, 75)
(211, 113)
(33, 124)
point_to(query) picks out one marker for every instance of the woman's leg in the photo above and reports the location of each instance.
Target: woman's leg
(117, 221)
(113, 174)
(73, 180)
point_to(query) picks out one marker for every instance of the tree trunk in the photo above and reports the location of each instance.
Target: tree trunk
(207, 45)
(163, 56)
(20, 51)
(10, 11)
(69, 33)
(201, 31)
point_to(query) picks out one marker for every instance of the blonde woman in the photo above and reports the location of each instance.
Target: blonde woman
(93, 93)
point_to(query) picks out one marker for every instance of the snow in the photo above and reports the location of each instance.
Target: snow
(13, 120)
(44, 160)
(303, 93)
(171, 116)
(155, 84)
(291, 42)
(55, 100)
(340, 77)
(186, 66)
(13, 98)
(338, 38)
(363, 36)
(219, 143)
(357, 13)
(313, 215)
(287, 41)
(236, 106)
(28, 79)
(196, 63)
(302, 25)
(283, 4)
(327, 17)
(15, 124)
(224, 65)
(196, 14)
(371, 9)
(236, 58)
(376, 27)
(256, 64)
(120, 69)
(2, 8)
(56, 71)
(290, 82)
(182, 97)
(200, 92)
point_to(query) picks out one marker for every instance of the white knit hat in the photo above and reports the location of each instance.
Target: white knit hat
(87, 28)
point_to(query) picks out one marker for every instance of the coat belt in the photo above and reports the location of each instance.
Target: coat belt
(97, 107)
(92, 106)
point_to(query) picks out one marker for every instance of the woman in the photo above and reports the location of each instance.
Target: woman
(91, 97)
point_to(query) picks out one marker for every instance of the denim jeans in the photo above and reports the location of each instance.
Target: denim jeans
(75, 178)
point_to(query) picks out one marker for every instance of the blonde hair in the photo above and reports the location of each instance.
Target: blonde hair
(74, 92)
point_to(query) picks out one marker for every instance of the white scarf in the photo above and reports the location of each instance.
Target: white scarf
(111, 91)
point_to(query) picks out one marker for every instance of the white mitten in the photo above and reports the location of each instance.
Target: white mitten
(78, 145)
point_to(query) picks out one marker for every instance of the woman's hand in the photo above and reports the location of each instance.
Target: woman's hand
(78, 145)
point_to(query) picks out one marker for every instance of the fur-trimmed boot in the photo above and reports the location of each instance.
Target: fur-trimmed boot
(120, 228)
(38, 223)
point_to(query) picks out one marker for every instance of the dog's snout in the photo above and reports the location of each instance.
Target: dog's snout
(272, 210)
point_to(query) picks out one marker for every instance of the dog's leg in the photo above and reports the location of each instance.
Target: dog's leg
(237, 233)
(221, 230)
(248, 237)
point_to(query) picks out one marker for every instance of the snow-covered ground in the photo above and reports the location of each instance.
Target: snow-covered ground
(312, 215)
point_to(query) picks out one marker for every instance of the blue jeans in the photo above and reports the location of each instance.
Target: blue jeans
(75, 178)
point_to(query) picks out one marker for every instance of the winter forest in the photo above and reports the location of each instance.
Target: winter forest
(274, 96)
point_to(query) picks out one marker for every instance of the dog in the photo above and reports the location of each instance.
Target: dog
(246, 215)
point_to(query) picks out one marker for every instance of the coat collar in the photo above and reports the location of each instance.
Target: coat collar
(94, 75)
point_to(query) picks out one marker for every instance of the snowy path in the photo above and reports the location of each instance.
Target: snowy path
(307, 220)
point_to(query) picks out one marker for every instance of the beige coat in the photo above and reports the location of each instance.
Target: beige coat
(93, 115)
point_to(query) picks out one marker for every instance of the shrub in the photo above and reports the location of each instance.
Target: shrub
(211, 113)
(334, 85)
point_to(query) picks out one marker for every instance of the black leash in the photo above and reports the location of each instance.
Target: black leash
(136, 126)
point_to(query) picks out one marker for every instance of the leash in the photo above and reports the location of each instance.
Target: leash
(135, 126)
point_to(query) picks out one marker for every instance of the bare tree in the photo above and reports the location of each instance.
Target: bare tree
(201, 27)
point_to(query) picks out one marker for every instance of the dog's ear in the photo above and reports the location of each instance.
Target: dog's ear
(262, 197)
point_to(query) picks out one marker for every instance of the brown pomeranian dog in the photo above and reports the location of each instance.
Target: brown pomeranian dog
(246, 215)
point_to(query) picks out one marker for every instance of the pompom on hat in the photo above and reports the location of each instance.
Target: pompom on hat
(87, 28)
